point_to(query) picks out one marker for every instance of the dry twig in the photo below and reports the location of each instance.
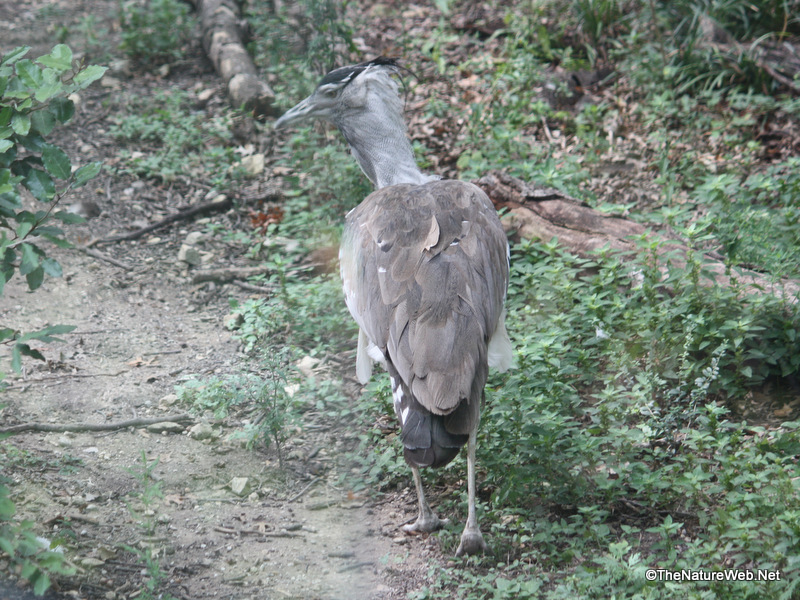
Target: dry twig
(82, 427)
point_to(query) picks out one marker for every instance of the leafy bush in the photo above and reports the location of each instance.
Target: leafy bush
(155, 31)
(33, 100)
(30, 557)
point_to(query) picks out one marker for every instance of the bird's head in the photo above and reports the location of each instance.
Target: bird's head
(345, 90)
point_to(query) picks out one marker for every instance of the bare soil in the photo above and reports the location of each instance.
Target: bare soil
(142, 327)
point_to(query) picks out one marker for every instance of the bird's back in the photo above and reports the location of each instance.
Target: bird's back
(425, 272)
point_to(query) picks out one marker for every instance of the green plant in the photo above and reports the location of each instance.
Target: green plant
(144, 513)
(155, 31)
(276, 410)
(30, 557)
(33, 100)
(169, 140)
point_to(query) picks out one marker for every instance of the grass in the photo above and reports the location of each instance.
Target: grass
(164, 139)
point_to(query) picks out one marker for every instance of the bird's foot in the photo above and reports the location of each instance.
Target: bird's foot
(426, 523)
(471, 542)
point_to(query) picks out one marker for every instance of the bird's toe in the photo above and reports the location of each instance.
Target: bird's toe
(471, 543)
(426, 524)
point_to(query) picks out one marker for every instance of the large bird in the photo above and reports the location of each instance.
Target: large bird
(424, 265)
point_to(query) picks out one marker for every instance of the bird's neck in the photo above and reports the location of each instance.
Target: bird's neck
(380, 145)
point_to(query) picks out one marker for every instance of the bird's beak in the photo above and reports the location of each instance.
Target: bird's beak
(299, 112)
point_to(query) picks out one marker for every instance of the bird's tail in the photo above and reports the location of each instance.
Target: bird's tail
(426, 439)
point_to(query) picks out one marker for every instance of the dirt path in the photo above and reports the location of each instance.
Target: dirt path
(131, 346)
(139, 333)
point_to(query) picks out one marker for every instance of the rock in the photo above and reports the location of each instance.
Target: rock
(253, 165)
(190, 255)
(168, 400)
(165, 427)
(306, 365)
(233, 321)
(194, 238)
(206, 94)
(241, 486)
(202, 431)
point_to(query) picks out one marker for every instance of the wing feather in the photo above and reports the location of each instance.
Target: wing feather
(425, 271)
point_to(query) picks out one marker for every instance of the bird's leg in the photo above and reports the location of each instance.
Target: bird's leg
(427, 521)
(472, 539)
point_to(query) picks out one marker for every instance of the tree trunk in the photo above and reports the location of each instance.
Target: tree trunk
(223, 32)
(537, 212)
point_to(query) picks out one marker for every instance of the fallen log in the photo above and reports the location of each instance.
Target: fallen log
(223, 32)
(541, 213)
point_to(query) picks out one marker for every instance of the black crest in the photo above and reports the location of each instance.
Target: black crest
(347, 74)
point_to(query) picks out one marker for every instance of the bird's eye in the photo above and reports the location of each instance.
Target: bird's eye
(330, 93)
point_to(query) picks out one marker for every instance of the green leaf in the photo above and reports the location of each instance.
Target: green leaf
(5, 116)
(51, 86)
(87, 172)
(21, 123)
(60, 58)
(40, 184)
(26, 350)
(56, 162)
(46, 334)
(41, 584)
(16, 359)
(30, 74)
(33, 142)
(35, 278)
(43, 122)
(24, 229)
(5, 543)
(62, 109)
(5, 145)
(68, 217)
(29, 259)
(86, 76)
(51, 267)
(15, 55)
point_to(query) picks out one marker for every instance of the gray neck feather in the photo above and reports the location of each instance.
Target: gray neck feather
(372, 123)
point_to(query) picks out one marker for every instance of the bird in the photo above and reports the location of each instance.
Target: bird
(424, 263)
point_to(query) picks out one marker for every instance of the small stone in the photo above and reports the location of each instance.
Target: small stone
(306, 365)
(165, 427)
(202, 431)
(233, 321)
(253, 165)
(90, 562)
(194, 238)
(190, 255)
(168, 400)
(241, 486)
(206, 94)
